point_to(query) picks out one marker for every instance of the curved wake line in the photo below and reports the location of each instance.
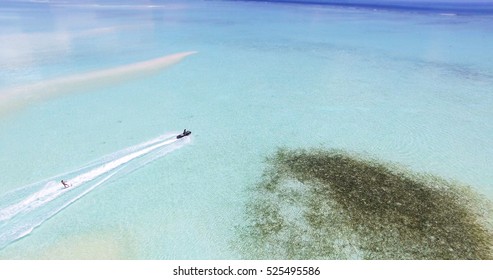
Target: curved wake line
(26, 208)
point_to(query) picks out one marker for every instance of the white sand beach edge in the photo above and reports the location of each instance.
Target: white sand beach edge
(16, 98)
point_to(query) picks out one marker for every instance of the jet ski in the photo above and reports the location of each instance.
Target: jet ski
(185, 133)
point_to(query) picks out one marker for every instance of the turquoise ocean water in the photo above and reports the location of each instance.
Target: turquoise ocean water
(407, 86)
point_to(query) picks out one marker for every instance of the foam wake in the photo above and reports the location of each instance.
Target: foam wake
(25, 208)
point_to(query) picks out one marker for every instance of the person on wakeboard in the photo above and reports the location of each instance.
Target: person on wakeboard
(65, 184)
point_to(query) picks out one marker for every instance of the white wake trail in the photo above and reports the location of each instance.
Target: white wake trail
(25, 208)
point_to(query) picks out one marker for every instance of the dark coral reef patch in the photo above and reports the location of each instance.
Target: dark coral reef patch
(329, 204)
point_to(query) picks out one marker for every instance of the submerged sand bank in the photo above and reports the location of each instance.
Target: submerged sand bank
(16, 98)
(100, 244)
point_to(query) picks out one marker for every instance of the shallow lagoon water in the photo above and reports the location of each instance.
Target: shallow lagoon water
(404, 87)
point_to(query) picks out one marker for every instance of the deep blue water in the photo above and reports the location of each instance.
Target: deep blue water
(458, 8)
